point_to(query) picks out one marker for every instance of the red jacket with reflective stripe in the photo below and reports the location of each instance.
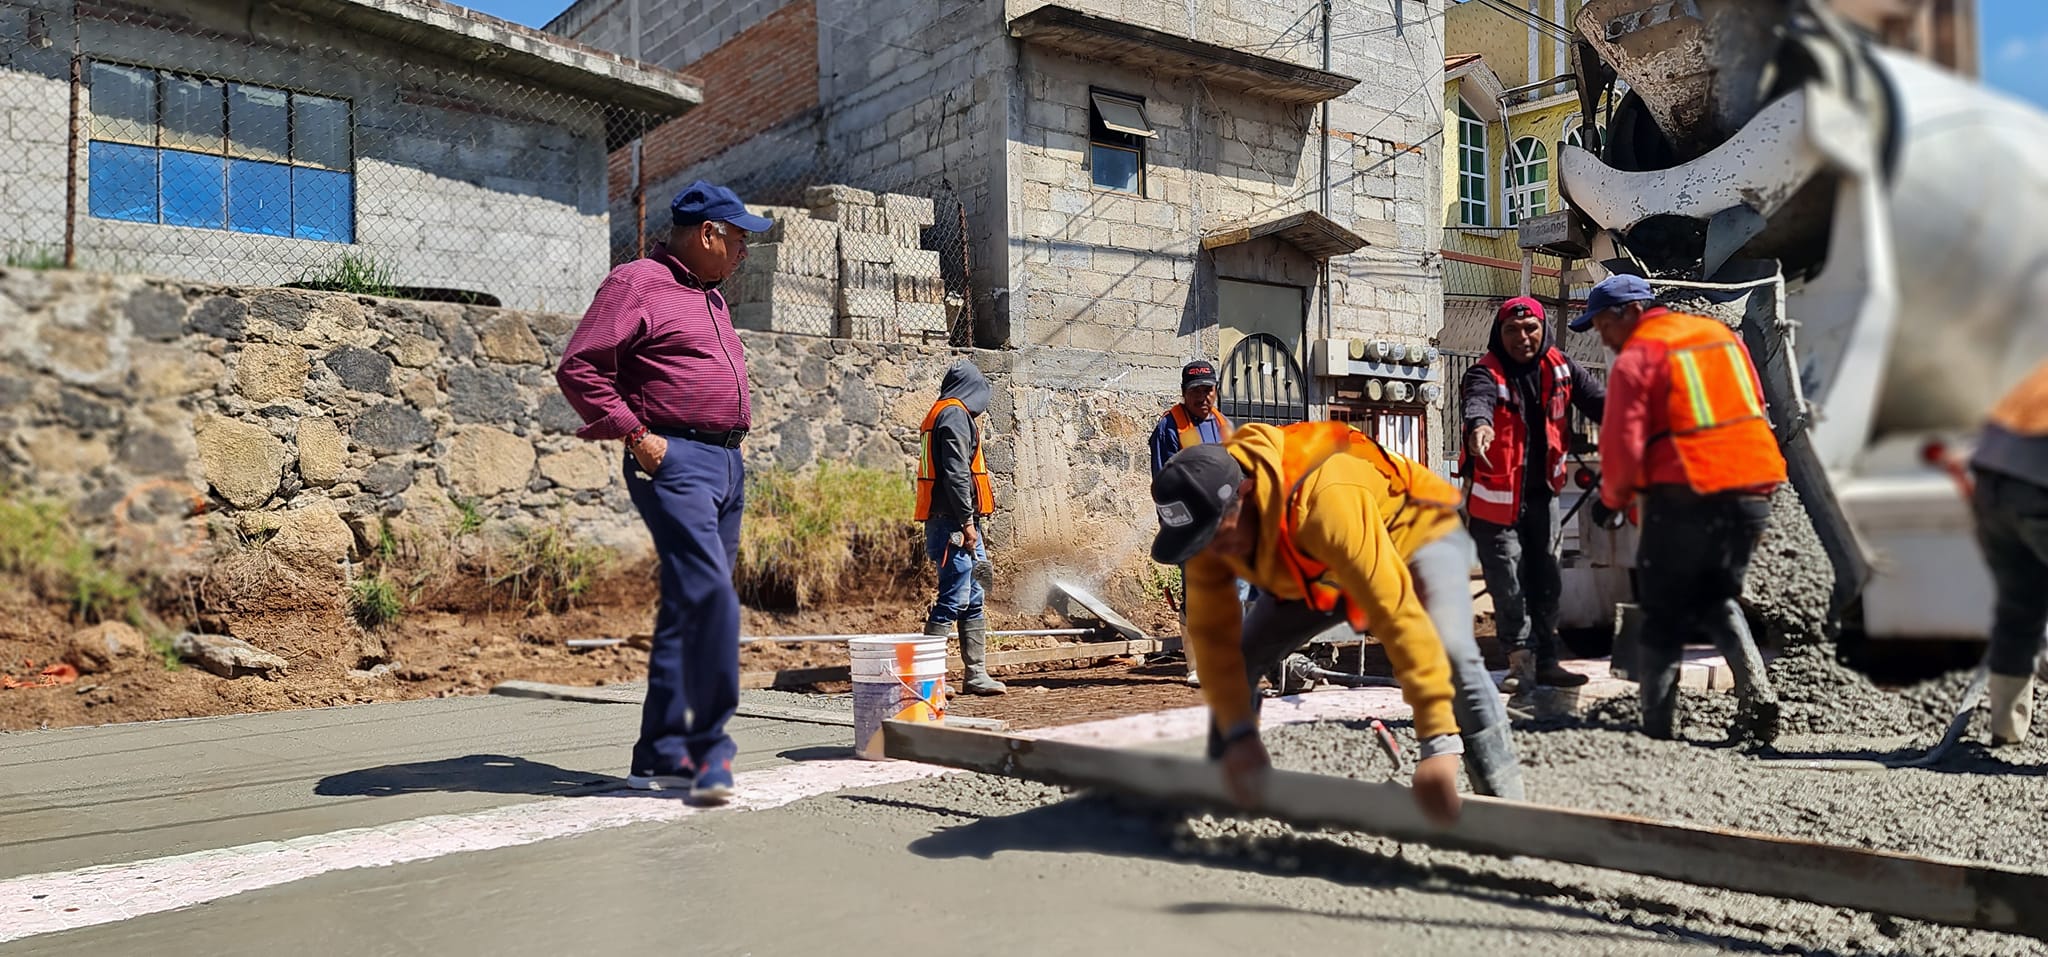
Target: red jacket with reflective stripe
(1497, 479)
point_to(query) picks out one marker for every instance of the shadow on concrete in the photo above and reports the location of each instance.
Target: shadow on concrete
(482, 773)
(1098, 824)
(817, 752)
(1967, 757)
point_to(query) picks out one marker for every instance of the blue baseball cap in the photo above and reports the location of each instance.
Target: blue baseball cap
(702, 202)
(1613, 291)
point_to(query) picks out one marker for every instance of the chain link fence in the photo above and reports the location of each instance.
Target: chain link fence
(419, 151)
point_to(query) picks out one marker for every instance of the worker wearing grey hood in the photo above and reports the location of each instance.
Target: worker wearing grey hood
(953, 497)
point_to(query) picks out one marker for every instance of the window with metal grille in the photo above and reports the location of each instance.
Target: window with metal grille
(182, 150)
(1472, 166)
(1528, 180)
(1117, 132)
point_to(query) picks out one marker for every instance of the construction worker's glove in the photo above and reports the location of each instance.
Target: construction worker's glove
(1607, 518)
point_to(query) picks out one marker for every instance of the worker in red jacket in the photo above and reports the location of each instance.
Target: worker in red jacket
(1685, 432)
(1515, 402)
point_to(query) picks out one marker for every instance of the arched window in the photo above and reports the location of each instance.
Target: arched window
(1528, 180)
(1472, 166)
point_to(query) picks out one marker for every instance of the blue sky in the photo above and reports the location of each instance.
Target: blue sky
(2016, 47)
(2015, 38)
(533, 13)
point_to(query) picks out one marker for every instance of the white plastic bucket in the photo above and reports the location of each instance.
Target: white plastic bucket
(895, 680)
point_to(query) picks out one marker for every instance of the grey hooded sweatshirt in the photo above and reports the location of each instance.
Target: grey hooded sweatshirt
(954, 439)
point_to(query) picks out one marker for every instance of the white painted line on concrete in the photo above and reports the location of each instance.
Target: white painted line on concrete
(38, 904)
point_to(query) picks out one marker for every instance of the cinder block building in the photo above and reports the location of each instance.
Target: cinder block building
(1143, 181)
(438, 148)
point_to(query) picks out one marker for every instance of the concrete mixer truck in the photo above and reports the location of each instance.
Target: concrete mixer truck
(1885, 224)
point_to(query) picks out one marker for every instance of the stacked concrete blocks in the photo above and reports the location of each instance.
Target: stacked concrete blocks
(790, 282)
(848, 265)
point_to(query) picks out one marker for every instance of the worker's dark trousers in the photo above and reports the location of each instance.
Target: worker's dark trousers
(1522, 576)
(1442, 573)
(1690, 562)
(2012, 528)
(692, 507)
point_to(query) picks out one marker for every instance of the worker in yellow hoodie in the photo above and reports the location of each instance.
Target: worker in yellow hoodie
(1332, 529)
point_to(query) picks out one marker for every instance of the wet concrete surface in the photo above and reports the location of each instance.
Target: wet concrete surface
(77, 797)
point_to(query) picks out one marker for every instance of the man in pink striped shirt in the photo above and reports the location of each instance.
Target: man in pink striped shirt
(656, 364)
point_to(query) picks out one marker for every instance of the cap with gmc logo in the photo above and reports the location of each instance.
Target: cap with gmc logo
(1198, 372)
(1192, 492)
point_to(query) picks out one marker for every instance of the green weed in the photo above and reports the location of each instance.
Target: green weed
(812, 535)
(356, 273)
(469, 517)
(1161, 584)
(39, 544)
(34, 256)
(374, 601)
(162, 648)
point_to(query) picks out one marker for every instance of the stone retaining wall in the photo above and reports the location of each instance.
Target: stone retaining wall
(312, 415)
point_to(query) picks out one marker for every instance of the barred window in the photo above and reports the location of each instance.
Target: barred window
(182, 150)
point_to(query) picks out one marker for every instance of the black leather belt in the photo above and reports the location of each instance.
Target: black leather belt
(729, 439)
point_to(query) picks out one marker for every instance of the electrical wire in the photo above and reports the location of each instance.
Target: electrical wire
(1547, 27)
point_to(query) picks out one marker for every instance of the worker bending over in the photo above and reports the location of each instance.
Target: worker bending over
(1515, 401)
(1685, 429)
(1331, 528)
(2011, 470)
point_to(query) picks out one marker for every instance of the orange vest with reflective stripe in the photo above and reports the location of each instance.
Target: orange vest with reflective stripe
(1497, 479)
(2024, 410)
(927, 476)
(1716, 406)
(1191, 431)
(1309, 445)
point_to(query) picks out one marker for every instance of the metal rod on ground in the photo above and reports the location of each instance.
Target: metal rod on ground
(907, 635)
(1956, 893)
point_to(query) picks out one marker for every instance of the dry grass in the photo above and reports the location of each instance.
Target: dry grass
(815, 536)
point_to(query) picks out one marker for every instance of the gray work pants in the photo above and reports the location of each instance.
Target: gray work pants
(1522, 575)
(1442, 573)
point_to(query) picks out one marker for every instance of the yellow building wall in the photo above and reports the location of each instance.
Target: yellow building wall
(1474, 27)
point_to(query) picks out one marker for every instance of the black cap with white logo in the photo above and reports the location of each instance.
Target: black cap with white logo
(1192, 492)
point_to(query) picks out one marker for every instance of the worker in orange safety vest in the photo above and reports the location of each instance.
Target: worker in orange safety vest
(1192, 421)
(953, 497)
(1333, 530)
(1685, 431)
(2010, 467)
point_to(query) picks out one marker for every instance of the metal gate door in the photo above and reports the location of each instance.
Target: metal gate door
(1261, 382)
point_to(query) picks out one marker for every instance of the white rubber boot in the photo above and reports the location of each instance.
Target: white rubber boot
(2012, 708)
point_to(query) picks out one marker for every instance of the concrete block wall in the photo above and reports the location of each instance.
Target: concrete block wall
(35, 102)
(1112, 273)
(457, 174)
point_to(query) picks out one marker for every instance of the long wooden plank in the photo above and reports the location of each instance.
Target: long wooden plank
(1076, 651)
(1957, 893)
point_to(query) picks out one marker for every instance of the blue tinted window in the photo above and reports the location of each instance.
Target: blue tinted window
(321, 207)
(1115, 168)
(260, 197)
(209, 154)
(121, 181)
(194, 189)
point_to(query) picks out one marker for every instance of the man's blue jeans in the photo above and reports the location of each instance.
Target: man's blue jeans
(960, 592)
(692, 505)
